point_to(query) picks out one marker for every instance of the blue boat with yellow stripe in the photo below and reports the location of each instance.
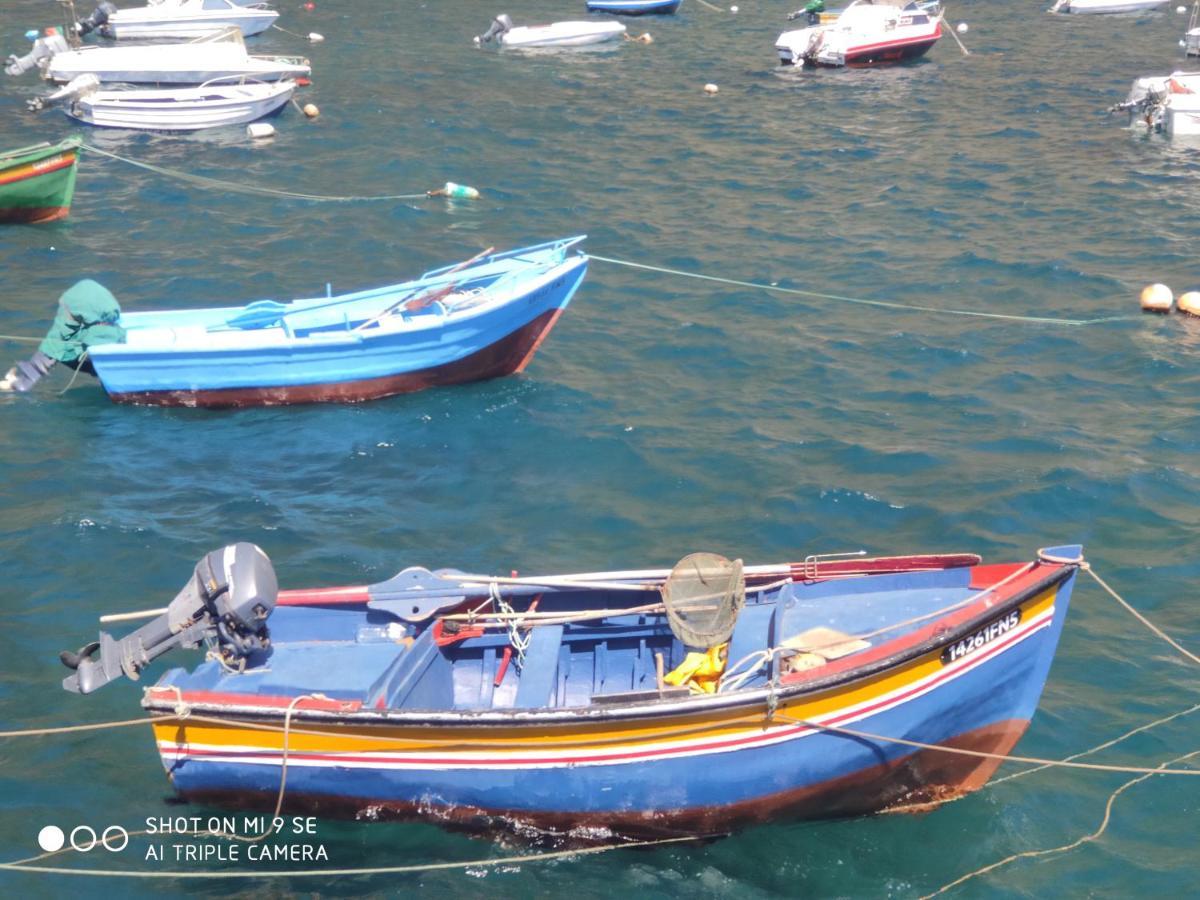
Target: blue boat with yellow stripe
(569, 704)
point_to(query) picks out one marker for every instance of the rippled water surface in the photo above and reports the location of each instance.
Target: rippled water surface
(663, 415)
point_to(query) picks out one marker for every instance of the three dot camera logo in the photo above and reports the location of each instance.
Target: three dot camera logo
(83, 838)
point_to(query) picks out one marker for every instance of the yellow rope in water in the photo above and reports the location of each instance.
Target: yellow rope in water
(983, 870)
(1087, 838)
(23, 866)
(886, 304)
(217, 184)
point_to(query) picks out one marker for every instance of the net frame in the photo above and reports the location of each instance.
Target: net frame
(702, 597)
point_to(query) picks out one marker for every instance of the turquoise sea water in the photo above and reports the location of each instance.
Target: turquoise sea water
(662, 415)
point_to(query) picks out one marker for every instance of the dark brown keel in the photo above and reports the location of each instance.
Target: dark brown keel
(917, 782)
(32, 215)
(508, 355)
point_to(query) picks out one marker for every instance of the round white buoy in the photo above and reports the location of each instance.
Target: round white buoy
(1189, 303)
(1157, 298)
(311, 110)
(259, 130)
(1183, 43)
(733, 9)
(711, 88)
(315, 37)
(1181, 9)
(963, 28)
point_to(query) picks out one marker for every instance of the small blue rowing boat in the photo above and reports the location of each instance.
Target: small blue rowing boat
(481, 319)
(639, 702)
(635, 7)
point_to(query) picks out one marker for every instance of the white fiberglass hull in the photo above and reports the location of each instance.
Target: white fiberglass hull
(173, 64)
(1102, 7)
(1181, 118)
(150, 23)
(562, 34)
(186, 109)
(865, 34)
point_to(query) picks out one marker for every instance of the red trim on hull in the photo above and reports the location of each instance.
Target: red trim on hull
(890, 51)
(32, 215)
(504, 357)
(924, 777)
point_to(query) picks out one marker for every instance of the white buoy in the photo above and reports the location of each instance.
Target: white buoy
(1157, 298)
(315, 37)
(1189, 303)
(711, 88)
(1181, 9)
(963, 28)
(733, 9)
(311, 110)
(258, 130)
(1183, 43)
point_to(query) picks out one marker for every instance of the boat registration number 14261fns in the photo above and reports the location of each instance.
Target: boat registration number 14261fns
(981, 638)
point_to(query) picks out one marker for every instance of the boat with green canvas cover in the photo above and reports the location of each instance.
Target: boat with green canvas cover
(37, 182)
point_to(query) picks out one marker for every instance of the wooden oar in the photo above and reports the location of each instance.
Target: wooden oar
(420, 302)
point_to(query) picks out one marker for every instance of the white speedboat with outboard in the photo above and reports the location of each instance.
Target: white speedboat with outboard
(556, 34)
(211, 105)
(194, 62)
(1166, 103)
(866, 33)
(178, 19)
(1101, 7)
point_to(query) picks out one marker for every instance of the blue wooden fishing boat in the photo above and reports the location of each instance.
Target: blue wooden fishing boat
(635, 7)
(635, 702)
(481, 319)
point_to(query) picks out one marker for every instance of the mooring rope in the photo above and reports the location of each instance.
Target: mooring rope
(982, 754)
(1137, 615)
(23, 866)
(21, 338)
(885, 304)
(1087, 838)
(217, 184)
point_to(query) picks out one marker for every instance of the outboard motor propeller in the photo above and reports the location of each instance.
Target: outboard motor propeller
(43, 49)
(99, 17)
(500, 25)
(225, 603)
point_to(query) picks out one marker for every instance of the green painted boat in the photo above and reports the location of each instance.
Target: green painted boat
(37, 182)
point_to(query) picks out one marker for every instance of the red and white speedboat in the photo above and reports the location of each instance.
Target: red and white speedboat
(867, 33)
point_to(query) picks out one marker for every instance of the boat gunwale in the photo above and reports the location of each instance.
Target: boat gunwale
(352, 713)
(328, 339)
(10, 158)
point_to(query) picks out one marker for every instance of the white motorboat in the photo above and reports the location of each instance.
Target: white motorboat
(866, 33)
(1166, 103)
(195, 62)
(1191, 38)
(178, 19)
(1101, 7)
(210, 105)
(556, 34)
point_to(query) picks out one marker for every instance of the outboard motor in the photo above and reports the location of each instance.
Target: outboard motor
(500, 25)
(99, 17)
(225, 604)
(79, 86)
(43, 49)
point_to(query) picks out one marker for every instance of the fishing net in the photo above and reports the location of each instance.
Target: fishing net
(703, 595)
